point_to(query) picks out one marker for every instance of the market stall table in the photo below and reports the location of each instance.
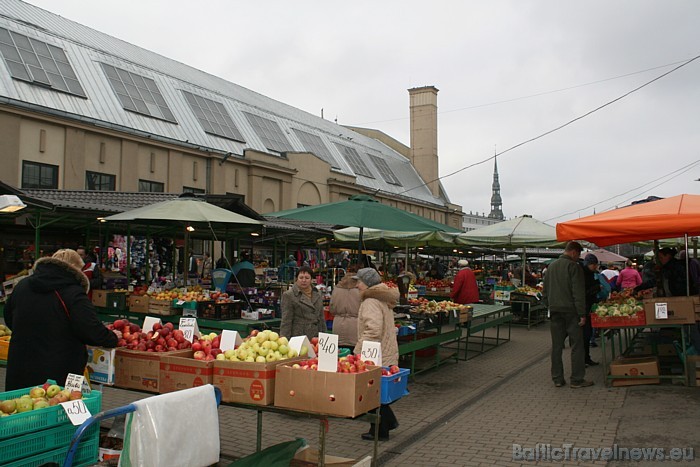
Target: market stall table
(628, 334)
(485, 317)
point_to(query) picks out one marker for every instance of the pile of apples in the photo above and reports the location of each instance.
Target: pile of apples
(163, 337)
(195, 294)
(207, 347)
(5, 331)
(349, 364)
(39, 397)
(261, 347)
(392, 370)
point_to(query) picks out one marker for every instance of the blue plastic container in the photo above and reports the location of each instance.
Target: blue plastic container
(394, 387)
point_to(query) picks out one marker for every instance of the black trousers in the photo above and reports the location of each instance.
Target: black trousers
(587, 333)
(387, 421)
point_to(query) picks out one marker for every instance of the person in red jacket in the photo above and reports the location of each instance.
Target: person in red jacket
(465, 289)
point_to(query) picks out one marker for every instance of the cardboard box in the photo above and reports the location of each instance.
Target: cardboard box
(247, 382)
(681, 310)
(139, 303)
(643, 366)
(100, 365)
(178, 373)
(693, 364)
(134, 369)
(99, 297)
(342, 394)
(309, 458)
(109, 299)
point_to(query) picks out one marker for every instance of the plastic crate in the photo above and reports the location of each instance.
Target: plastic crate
(4, 347)
(221, 311)
(86, 454)
(35, 420)
(116, 301)
(394, 387)
(406, 331)
(31, 444)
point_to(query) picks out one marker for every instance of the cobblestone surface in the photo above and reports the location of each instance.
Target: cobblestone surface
(471, 413)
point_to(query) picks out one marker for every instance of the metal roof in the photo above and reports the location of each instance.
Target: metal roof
(87, 48)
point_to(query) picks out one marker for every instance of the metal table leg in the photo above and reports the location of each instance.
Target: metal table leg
(258, 442)
(323, 423)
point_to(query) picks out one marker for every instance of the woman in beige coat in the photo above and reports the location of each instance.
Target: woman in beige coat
(376, 324)
(345, 305)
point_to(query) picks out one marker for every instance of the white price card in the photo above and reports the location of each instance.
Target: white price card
(298, 343)
(372, 351)
(455, 313)
(661, 310)
(74, 382)
(189, 328)
(229, 340)
(327, 352)
(149, 322)
(77, 411)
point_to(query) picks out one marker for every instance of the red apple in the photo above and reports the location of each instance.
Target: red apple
(393, 369)
(314, 340)
(196, 346)
(199, 355)
(157, 326)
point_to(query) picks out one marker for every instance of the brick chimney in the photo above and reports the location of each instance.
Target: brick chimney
(424, 155)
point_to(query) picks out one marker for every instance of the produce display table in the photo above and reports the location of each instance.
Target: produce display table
(434, 341)
(485, 317)
(371, 417)
(627, 334)
(527, 310)
(243, 326)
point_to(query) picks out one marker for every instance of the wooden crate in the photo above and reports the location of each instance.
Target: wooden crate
(162, 307)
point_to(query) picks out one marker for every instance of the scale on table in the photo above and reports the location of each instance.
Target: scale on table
(403, 282)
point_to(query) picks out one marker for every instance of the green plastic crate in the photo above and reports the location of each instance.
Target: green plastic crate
(38, 442)
(86, 454)
(35, 420)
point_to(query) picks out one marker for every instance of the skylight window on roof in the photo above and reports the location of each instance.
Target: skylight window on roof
(314, 143)
(384, 170)
(213, 117)
(138, 93)
(269, 132)
(356, 163)
(38, 62)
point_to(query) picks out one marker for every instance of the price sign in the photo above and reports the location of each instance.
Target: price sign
(229, 340)
(327, 352)
(455, 313)
(77, 411)
(189, 328)
(372, 351)
(74, 382)
(300, 342)
(661, 310)
(149, 322)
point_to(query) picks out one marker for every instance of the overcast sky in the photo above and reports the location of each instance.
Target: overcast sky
(507, 72)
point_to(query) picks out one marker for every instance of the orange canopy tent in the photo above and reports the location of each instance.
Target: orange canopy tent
(666, 218)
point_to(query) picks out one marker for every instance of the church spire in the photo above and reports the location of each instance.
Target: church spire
(496, 202)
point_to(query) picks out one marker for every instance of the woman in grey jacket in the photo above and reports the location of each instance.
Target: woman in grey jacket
(302, 308)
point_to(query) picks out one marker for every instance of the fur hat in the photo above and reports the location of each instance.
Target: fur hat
(368, 276)
(462, 263)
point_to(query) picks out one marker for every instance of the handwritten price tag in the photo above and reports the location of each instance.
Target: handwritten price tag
(661, 310)
(74, 382)
(372, 351)
(327, 352)
(189, 328)
(77, 411)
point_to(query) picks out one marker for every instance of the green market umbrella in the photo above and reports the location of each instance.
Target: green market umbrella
(186, 210)
(364, 211)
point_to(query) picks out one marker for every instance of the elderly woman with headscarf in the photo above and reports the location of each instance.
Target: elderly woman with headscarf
(52, 320)
(465, 289)
(376, 324)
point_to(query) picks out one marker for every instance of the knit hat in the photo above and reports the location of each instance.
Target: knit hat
(462, 263)
(590, 259)
(368, 276)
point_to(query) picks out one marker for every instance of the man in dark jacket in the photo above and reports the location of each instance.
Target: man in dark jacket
(564, 295)
(674, 276)
(590, 266)
(52, 320)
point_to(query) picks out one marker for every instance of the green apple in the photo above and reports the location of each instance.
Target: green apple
(260, 359)
(229, 353)
(221, 356)
(37, 393)
(53, 390)
(271, 357)
(263, 351)
(304, 351)
(8, 406)
(250, 358)
(282, 341)
(42, 404)
(24, 405)
(283, 349)
(274, 336)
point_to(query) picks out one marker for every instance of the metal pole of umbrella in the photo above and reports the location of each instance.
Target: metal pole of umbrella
(186, 258)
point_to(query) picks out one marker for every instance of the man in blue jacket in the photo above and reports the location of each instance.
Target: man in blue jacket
(565, 295)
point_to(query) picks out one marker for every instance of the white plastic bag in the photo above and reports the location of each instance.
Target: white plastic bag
(160, 432)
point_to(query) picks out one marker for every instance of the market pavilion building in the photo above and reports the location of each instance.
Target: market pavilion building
(82, 111)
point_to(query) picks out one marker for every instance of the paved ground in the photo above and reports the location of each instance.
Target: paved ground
(474, 412)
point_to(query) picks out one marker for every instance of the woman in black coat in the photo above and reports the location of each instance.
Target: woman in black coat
(52, 319)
